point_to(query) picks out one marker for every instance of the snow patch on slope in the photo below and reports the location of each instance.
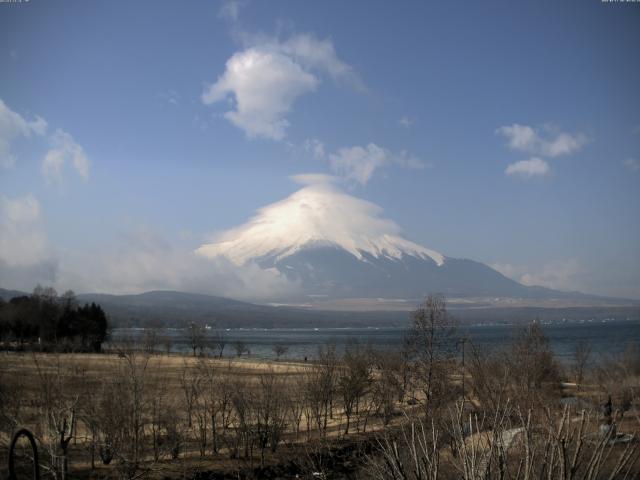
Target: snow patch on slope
(318, 214)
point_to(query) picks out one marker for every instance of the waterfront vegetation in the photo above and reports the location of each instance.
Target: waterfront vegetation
(441, 407)
(47, 322)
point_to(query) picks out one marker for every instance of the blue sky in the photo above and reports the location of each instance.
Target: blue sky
(505, 132)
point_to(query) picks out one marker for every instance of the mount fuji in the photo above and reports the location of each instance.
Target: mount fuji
(334, 246)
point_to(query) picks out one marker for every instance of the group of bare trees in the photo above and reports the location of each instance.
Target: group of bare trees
(138, 409)
(103, 414)
(567, 445)
(199, 338)
(435, 413)
(510, 422)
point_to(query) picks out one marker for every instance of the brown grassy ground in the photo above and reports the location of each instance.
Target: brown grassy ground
(21, 376)
(23, 373)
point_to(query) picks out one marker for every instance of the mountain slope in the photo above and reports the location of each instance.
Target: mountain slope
(337, 246)
(7, 295)
(165, 299)
(333, 272)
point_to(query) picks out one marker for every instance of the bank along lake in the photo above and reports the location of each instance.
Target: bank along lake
(606, 337)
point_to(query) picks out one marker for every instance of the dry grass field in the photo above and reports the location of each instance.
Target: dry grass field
(413, 414)
(38, 385)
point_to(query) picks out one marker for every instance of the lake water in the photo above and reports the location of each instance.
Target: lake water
(606, 338)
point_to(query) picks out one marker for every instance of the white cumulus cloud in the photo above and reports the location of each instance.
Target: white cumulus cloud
(13, 126)
(64, 149)
(564, 275)
(547, 141)
(534, 167)
(264, 81)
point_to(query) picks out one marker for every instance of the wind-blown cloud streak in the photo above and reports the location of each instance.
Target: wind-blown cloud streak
(26, 255)
(13, 126)
(359, 163)
(64, 149)
(547, 141)
(139, 261)
(144, 260)
(560, 275)
(534, 167)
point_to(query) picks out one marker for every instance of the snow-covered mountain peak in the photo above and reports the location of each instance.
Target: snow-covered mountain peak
(317, 214)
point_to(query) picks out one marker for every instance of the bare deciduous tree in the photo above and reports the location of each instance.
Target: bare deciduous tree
(59, 404)
(218, 342)
(270, 412)
(354, 380)
(534, 372)
(167, 343)
(196, 336)
(489, 377)
(240, 347)
(320, 387)
(581, 356)
(432, 344)
(296, 406)
(125, 421)
(190, 384)
(150, 341)
(391, 383)
(507, 444)
(280, 350)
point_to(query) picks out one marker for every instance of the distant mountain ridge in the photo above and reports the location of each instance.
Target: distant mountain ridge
(338, 253)
(7, 295)
(335, 273)
(349, 266)
(177, 309)
(165, 298)
(332, 245)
